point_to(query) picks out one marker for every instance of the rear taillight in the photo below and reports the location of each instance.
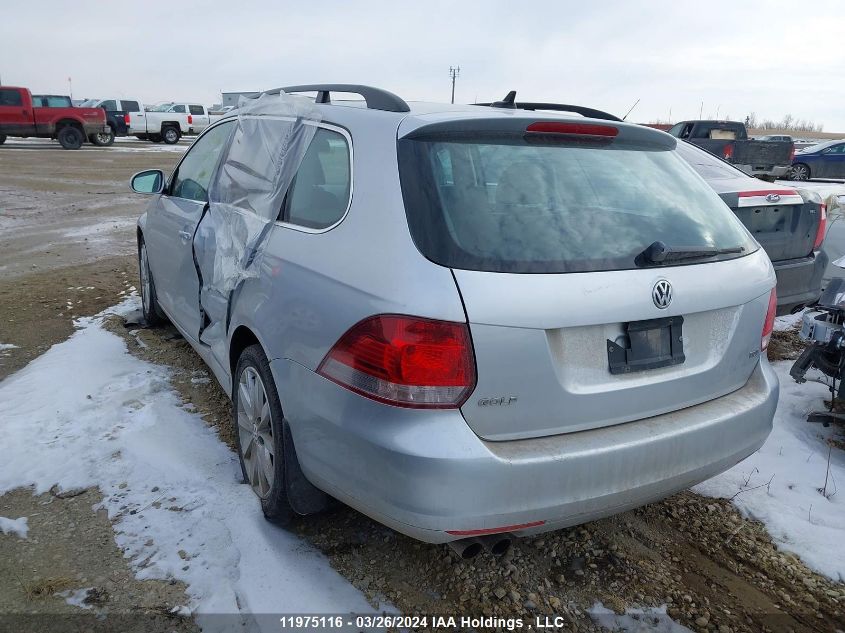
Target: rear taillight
(728, 152)
(126, 118)
(769, 324)
(572, 129)
(190, 119)
(404, 361)
(792, 153)
(822, 227)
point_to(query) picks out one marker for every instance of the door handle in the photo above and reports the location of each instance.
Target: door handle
(185, 235)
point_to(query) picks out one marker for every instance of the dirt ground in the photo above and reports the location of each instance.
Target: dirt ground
(714, 569)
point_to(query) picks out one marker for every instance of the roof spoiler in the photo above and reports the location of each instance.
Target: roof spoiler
(510, 102)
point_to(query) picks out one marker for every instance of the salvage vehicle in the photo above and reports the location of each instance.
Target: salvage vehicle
(825, 160)
(767, 160)
(466, 322)
(19, 116)
(168, 122)
(789, 224)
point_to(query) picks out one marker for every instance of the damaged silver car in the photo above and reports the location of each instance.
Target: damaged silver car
(467, 322)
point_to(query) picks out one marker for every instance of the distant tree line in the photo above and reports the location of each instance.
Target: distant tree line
(788, 122)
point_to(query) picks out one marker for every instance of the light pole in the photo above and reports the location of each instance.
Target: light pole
(454, 72)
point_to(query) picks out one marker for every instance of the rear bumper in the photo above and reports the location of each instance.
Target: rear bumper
(425, 472)
(776, 171)
(799, 281)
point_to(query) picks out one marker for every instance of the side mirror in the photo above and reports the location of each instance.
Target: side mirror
(150, 181)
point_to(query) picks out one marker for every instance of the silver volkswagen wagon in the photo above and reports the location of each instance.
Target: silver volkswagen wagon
(466, 322)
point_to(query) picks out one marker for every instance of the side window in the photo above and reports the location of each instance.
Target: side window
(110, 105)
(130, 106)
(319, 194)
(193, 175)
(178, 108)
(195, 109)
(39, 102)
(835, 149)
(10, 98)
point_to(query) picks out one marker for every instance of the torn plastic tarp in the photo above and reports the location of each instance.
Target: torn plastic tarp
(267, 145)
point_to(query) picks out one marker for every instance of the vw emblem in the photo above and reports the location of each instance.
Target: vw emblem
(773, 197)
(661, 294)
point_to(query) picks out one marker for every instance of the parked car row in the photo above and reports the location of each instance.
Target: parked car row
(563, 319)
(55, 116)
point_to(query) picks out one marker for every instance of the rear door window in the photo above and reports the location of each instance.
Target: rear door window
(110, 105)
(195, 109)
(130, 106)
(320, 192)
(516, 206)
(178, 108)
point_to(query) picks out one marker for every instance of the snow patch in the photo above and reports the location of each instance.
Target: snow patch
(5, 346)
(77, 598)
(18, 527)
(783, 484)
(172, 489)
(635, 620)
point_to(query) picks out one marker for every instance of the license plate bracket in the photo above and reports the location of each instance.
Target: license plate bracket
(648, 344)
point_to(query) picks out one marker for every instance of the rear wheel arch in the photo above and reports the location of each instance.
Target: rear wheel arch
(242, 338)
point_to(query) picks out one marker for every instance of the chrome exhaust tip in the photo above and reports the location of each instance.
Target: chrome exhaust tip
(497, 544)
(466, 548)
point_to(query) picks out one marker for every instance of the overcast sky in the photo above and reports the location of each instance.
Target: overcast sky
(771, 58)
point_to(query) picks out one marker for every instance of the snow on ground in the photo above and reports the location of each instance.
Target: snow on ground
(76, 598)
(5, 346)
(87, 413)
(18, 527)
(788, 322)
(635, 620)
(782, 484)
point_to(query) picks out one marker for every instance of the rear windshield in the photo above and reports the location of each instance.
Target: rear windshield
(710, 167)
(515, 206)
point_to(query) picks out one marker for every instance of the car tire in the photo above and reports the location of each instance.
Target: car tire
(799, 171)
(149, 303)
(171, 135)
(2, 138)
(103, 139)
(70, 137)
(259, 433)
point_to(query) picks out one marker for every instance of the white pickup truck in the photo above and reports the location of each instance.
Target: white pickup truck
(169, 121)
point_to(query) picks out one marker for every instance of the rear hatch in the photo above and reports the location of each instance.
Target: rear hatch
(544, 226)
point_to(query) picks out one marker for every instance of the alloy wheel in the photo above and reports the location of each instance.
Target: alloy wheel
(255, 432)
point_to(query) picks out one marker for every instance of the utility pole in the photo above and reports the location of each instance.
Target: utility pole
(454, 72)
(70, 87)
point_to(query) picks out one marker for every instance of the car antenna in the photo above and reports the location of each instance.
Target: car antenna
(629, 111)
(508, 102)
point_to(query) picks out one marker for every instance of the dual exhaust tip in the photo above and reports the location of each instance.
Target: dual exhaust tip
(495, 544)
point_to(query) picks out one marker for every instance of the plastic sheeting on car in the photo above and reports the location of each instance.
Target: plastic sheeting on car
(267, 145)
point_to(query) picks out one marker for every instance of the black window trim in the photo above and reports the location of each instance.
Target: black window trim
(170, 179)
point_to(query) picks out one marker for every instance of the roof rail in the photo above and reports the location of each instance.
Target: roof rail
(375, 98)
(510, 102)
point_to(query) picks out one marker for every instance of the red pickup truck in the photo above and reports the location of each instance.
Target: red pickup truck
(71, 126)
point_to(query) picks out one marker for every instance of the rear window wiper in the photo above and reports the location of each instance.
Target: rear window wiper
(659, 253)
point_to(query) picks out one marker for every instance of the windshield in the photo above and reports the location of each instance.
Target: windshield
(521, 207)
(707, 165)
(162, 107)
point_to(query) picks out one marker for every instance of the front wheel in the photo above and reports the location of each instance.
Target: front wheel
(149, 302)
(102, 139)
(70, 137)
(171, 135)
(799, 171)
(258, 420)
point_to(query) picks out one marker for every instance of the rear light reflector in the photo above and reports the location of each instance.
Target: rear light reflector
(820, 232)
(728, 152)
(769, 324)
(404, 361)
(126, 118)
(497, 530)
(572, 129)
